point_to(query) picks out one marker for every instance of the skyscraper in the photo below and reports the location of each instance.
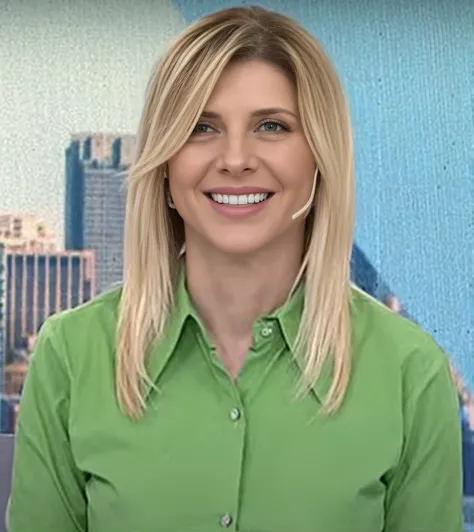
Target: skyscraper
(74, 201)
(2, 315)
(41, 284)
(95, 200)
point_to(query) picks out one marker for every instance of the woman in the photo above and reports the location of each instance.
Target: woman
(237, 380)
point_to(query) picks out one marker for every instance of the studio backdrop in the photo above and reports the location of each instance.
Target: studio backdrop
(72, 84)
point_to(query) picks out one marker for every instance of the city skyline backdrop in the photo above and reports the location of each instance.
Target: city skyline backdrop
(69, 67)
(48, 92)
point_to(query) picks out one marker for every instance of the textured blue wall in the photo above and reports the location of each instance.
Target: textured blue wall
(408, 68)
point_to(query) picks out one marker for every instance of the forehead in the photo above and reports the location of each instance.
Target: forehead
(253, 84)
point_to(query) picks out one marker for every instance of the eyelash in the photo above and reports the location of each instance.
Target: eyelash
(273, 121)
(268, 121)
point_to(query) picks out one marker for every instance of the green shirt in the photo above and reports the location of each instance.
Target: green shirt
(212, 453)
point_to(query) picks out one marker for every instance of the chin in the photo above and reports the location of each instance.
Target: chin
(238, 248)
(241, 244)
(241, 240)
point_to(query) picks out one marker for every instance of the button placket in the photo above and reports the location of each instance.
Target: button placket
(236, 428)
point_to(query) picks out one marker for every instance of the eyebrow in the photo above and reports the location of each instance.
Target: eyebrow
(259, 112)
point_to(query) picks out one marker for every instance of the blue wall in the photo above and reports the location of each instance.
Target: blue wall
(408, 67)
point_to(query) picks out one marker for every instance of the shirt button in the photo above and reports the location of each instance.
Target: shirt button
(235, 414)
(226, 520)
(266, 332)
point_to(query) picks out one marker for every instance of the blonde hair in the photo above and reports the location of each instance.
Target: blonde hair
(178, 89)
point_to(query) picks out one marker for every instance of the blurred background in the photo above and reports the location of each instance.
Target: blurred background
(72, 82)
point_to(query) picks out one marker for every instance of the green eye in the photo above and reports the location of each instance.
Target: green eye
(270, 126)
(202, 128)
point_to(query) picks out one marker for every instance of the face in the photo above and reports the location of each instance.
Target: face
(247, 167)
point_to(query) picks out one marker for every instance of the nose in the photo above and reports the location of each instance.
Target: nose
(237, 156)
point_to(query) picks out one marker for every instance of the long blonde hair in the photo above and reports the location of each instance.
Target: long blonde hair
(178, 89)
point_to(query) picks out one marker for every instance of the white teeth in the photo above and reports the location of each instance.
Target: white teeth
(241, 199)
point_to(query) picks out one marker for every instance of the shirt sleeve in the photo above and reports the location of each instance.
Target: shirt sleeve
(424, 492)
(48, 490)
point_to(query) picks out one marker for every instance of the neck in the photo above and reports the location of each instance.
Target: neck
(231, 292)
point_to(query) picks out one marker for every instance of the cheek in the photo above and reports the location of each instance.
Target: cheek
(185, 169)
(178, 165)
(305, 167)
(294, 165)
(303, 156)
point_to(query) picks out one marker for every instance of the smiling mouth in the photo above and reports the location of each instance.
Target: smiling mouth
(239, 199)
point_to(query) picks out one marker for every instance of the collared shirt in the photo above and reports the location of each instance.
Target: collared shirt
(214, 453)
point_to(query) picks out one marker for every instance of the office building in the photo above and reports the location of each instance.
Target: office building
(41, 284)
(26, 232)
(2, 315)
(7, 416)
(96, 166)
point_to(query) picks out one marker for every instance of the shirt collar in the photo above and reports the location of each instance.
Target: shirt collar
(288, 317)
(161, 349)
